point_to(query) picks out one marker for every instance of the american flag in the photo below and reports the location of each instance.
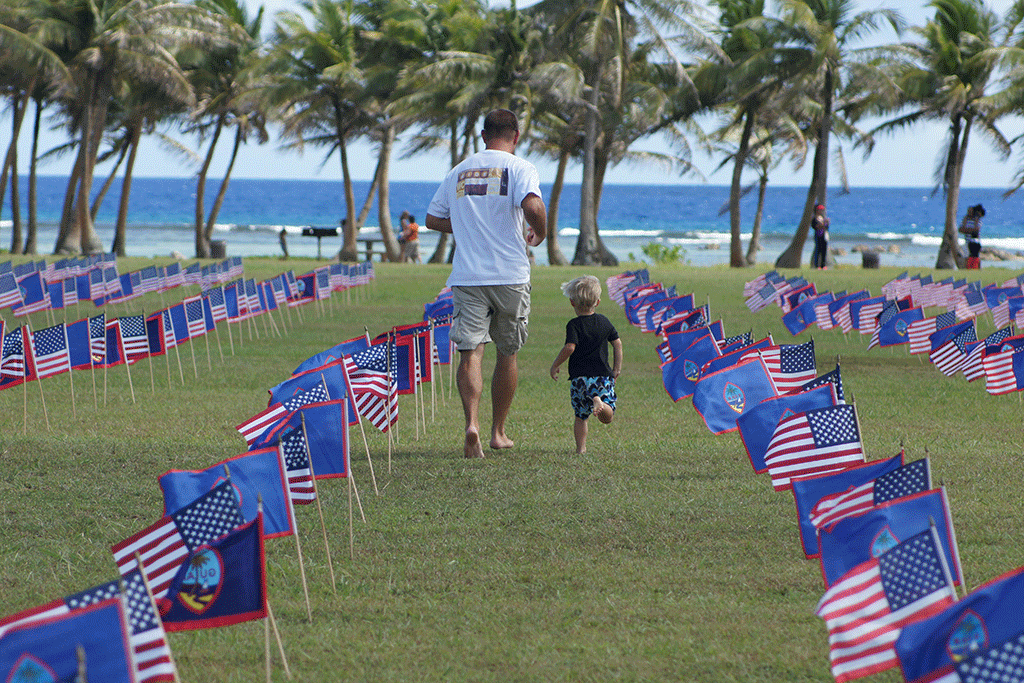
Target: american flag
(952, 355)
(813, 442)
(291, 284)
(252, 298)
(170, 341)
(69, 295)
(1001, 313)
(973, 368)
(1001, 376)
(12, 356)
(843, 318)
(372, 386)
(866, 609)
(10, 295)
(918, 332)
(150, 652)
(50, 351)
(868, 318)
(763, 297)
(259, 423)
(133, 337)
(98, 338)
(193, 274)
(913, 477)
(789, 365)
(995, 663)
(834, 377)
(195, 316)
(217, 305)
(149, 280)
(280, 290)
(172, 276)
(970, 305)
(235, 266)
(296, 461)
(823, 317)
(323, 283)
(888, 312)
(164, 545)
(111, 282)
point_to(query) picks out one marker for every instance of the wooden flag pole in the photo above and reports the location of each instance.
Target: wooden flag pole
(359, 420)
(195, 368)
(277, 636)
(231, 338)
(92, 373)
(209, 358)
(319, 507)
(302, 569)
(220, 350)
(351, 531)
(860, 434)
(416, 385)
(24, 424)
(177, 353)
(131, 386)
(152, 602)
(266, 645)
(355, 490)
(83, 673)
(71, 378)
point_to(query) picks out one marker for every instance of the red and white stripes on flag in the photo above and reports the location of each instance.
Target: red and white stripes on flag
(813, 442)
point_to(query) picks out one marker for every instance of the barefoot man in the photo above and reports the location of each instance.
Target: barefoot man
(483, 202)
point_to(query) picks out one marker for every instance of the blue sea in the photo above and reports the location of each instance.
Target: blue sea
(905, 223)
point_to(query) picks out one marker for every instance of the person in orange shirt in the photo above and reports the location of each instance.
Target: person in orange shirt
(411, 241)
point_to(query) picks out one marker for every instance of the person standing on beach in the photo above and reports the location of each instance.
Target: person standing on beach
(819, 258)
(587, 337)
(411, 241)
(970, 228)
(483, 203)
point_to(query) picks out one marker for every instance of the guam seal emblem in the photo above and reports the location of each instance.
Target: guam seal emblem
(968, 635)
(884, 540)
(31, 670)
(691, 370)
(203, 580)
(901, 327)
(734, 397)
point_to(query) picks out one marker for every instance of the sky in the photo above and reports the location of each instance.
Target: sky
(906, 159)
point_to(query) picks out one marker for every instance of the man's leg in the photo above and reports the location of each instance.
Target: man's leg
(503, 390)
(470, 380)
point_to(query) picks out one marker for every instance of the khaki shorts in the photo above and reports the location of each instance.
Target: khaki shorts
(498, 313)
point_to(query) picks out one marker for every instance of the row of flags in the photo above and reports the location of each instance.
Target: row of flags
(201, 564)
(100, 341)
(898, 317)
(880, 531)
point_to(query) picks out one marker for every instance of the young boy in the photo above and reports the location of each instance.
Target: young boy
(592, 380)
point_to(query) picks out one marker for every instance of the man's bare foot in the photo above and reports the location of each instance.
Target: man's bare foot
(473, 449)
(499, 441)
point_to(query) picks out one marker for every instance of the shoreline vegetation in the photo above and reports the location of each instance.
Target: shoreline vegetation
(658, 555)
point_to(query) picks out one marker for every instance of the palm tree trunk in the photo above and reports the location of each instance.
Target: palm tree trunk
(121, 227)
(949, 255)
(555, 255)
(108, 183)
(33, 225)
(219, 201)
(586, 243)
(100, 100)
(349, 248)
(19, 105)
(68, 235)
(755, 232)
(381, 179)
(736, 259)
(15, 203)
(202, 246)
(793, 255)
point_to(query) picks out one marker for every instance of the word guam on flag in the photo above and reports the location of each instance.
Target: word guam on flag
(865, 610)
(947, 645)
(813, 442)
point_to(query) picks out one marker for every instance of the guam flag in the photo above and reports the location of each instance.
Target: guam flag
(857, 539)
(722, 397)
(940, 646)
(680, 374)
(47, 650)
(219, 584)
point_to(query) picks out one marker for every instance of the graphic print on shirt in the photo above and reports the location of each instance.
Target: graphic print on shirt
(481, 182)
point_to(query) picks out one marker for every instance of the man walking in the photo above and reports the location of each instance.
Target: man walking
(483, 202)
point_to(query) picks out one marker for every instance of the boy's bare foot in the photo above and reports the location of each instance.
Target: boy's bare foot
(499, 441)
(603, 411)
(473, 449)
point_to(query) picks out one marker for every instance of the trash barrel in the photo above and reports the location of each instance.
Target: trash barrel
(218, 249)
(869, 259)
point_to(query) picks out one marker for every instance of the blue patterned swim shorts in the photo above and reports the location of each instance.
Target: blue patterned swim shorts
(582, 391)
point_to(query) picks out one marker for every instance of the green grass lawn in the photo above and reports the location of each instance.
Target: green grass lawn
(658, 556)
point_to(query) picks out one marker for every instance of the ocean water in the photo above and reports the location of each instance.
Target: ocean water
(904, 223)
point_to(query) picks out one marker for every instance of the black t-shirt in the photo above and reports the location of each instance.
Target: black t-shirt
(590, 334)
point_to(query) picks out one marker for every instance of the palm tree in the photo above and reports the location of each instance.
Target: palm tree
(827, 31)
(315, 85)
(222, 78)
(946, 77)
(601, 38)
(112, 42)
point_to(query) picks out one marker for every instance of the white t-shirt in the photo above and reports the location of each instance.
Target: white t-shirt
(483, 197)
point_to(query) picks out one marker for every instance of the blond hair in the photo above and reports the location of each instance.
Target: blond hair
(584, 291)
